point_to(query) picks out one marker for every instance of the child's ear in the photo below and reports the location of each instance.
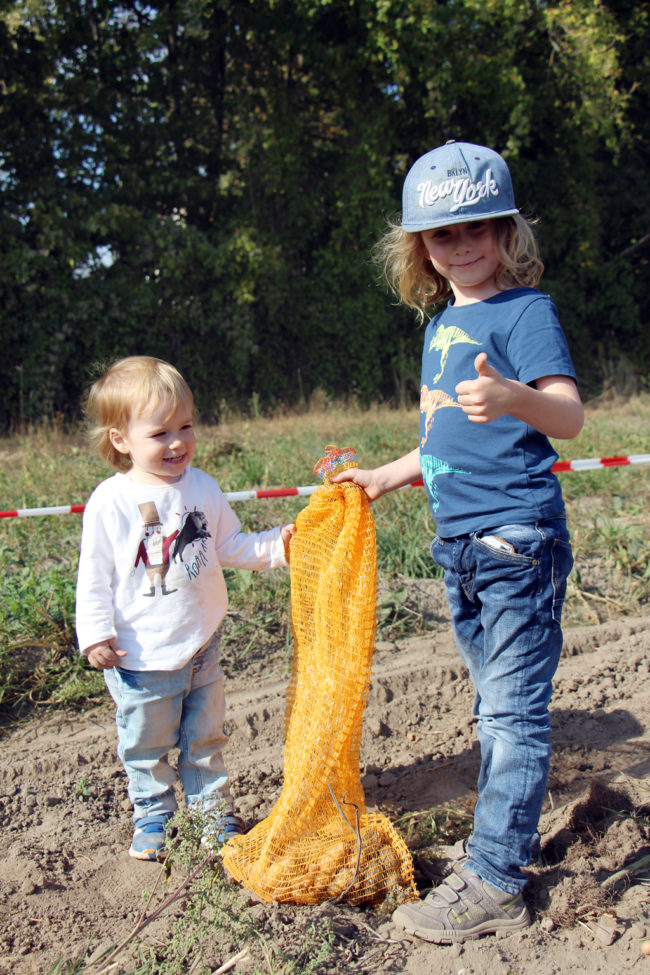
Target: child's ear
(118, 441)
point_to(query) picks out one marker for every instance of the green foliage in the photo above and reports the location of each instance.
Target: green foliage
(203, 182)
(39, 661)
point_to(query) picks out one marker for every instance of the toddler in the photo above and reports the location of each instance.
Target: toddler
(151, 595)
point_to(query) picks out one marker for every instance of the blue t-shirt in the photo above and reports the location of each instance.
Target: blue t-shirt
(482, 475)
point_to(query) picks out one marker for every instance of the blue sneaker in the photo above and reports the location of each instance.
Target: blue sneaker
(220, 828)
(149, 837)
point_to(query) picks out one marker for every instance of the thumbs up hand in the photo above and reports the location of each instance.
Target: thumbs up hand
(488, 396)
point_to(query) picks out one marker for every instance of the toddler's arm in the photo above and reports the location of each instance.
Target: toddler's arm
(104, 655)
(553, 406)
(238, 549)
(386, 478)
(95, 622)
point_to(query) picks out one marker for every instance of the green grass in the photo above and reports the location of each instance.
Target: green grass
(608, 515)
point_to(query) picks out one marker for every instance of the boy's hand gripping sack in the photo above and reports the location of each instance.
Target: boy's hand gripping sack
(318, 843)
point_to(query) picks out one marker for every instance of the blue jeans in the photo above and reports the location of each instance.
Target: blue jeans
(158, 710)
(506, 606)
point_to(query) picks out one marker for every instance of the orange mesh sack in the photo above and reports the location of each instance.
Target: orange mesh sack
(318, 842)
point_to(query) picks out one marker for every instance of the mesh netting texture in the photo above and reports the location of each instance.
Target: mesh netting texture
(318, 843)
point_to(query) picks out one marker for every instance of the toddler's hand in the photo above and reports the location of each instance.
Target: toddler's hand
(486, 398)
(104, 655)
(287, 532)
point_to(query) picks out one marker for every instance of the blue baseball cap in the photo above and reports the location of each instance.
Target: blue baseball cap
(455, 183)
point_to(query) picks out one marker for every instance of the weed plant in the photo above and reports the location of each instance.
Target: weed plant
(207, 925)
(607, 509)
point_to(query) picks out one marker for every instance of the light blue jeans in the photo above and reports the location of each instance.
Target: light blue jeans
(158, 710)
(506, 606)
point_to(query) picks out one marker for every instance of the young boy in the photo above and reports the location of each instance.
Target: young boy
(497, 382)
(151, 595)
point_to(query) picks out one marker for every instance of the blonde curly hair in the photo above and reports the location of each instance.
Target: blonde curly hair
(406, 267)
(128, 388)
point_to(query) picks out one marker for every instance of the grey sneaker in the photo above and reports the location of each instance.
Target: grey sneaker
(444, 861)
(462, 908)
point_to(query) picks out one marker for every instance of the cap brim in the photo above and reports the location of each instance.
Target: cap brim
(414, 227)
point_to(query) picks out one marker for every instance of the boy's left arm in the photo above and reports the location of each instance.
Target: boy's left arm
(553, 406)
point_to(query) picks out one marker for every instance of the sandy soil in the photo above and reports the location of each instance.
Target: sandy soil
(66, 877)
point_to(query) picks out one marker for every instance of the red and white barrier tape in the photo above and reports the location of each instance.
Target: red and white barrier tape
(560, 467)
(594, 463)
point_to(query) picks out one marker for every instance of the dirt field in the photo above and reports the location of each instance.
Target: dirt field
(66, 876)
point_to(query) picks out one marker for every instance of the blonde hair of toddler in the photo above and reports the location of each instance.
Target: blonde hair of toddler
(131, 387)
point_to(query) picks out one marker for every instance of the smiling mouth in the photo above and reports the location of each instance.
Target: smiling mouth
(175, 460)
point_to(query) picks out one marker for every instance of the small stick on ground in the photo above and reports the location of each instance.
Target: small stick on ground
(227, 965)
(144, 920)
(626, 873)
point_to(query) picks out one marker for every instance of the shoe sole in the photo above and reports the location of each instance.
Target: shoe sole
(450, 936)
(150, 854)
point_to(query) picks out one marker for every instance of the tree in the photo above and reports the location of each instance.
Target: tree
(204, 180)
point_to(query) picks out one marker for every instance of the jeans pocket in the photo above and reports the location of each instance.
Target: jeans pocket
(442, 554)
(511, 544)
(562, 563)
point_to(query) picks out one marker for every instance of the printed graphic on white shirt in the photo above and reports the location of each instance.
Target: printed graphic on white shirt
(156, 553)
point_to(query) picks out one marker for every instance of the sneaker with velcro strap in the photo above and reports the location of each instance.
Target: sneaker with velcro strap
(461, 908)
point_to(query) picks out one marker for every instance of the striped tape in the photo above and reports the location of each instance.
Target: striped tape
(560, 467)
(592, 464)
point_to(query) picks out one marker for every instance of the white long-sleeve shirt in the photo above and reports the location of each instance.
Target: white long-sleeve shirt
(150, 566)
